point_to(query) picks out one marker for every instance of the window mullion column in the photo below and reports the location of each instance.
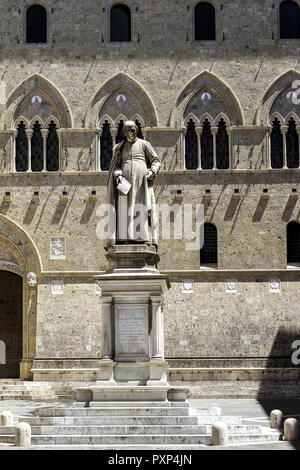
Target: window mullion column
(44, 135)
(98, 149)
(284, 130)
(199, 131)
(29, 133)
(214, 131)
(14, 151)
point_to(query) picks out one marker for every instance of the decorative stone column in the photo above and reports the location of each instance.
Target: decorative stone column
(214, 131)
(13, 138)
(284, 130)
(114, 133)
(98, 149)
(199, 131)
(29, 133)
(44, 133)
(269, 148)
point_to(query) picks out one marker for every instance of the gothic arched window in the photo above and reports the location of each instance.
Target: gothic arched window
(276, 145)
(292, 145)
(207, 147)
(37, 148)
(105, 147)
(21, 148)
(120, 23)
(205, 22)
(52, 163)
(191, 147)
(289, 13)
(293, 242)
(209, 251)
(36, 24)
(222, 146)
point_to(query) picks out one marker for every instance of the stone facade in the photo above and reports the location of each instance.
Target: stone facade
(248, 70)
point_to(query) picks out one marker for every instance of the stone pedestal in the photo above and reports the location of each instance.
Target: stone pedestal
(133, 367)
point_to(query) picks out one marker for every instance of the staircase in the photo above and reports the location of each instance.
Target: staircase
(16, 389)
(135, 426)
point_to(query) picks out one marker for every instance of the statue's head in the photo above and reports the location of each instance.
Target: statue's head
(130, 130)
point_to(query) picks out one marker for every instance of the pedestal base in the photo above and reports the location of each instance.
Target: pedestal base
(124, 395)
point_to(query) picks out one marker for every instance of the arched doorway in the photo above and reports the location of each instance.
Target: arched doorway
(11, 324)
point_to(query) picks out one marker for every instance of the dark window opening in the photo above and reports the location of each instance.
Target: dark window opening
(276, 145)
(37, 148)
(120, 24)
(222, 147)
(207, 147)
(209, 251)
(36, 24)
(52, 148)
(120, 136)
(140, 132)
(292, 145)
(293, 243)
(205, 22)
(289, 13)
(191, 147)
(105, 147)
(21, 148)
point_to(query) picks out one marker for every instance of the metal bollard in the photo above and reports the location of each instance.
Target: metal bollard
(276, 418)
(291, 429)
(7, 418)
(219, 434)
(23, 435)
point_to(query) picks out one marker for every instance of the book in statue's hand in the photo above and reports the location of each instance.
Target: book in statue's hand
(124, 186)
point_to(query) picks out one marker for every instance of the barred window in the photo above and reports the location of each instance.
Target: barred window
(209, 251)
(36, 24)
(289, 13)
(205, 22)
(120, 23)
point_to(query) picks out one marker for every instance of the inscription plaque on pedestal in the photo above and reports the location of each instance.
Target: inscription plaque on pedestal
(132, 332)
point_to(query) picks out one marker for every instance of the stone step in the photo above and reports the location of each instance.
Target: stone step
(142, 411)
(129, 420)
(112, 440)
(134, 430)
(110, 420)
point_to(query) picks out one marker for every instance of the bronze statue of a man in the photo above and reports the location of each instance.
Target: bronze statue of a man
(132, 170)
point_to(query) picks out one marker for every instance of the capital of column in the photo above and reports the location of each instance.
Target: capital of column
(214, 130)
(298, 129)
(199, 130)
(29, 133)
(44, 133)
(15, 134)
(284, 129)
(114, 132)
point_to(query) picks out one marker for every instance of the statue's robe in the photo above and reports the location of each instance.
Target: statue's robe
(133, 160)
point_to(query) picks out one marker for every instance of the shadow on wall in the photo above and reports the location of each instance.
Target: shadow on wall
(283, 384)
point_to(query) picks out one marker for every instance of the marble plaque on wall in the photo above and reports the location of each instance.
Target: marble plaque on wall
(131, 330)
